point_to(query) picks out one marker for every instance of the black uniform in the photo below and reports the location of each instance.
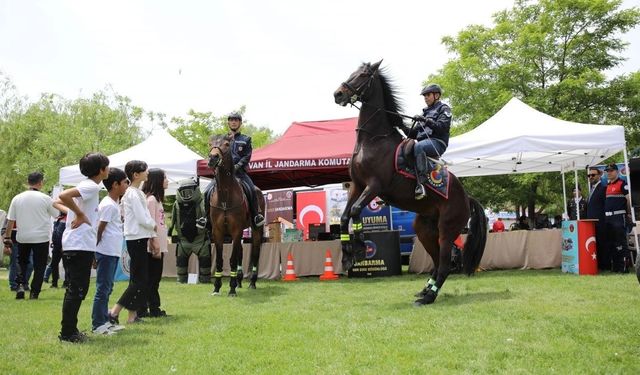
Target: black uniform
(595, 210)
(241, 153)
(433, 135)
(615, 210)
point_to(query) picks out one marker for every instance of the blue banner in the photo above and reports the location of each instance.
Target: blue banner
(570, 246)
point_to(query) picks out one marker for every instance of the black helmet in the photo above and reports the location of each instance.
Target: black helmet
(234, 116)
(431, 88)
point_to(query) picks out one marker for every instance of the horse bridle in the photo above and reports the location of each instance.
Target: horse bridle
(357, 93)
(220, 157)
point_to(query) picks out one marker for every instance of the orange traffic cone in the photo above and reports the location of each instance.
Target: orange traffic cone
(290, 273)
(328, 269)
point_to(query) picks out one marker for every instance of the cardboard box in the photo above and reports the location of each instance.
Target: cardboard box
(274, 232)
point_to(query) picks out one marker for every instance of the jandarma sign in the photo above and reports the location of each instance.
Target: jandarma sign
(298, 163)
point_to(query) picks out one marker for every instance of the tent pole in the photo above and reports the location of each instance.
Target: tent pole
(575, 179)
(564, 196)
(633, 212)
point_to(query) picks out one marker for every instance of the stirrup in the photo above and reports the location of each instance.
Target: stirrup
(420, 191)
(258, 220)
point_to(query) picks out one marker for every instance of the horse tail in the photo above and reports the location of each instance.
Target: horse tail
(476, 239)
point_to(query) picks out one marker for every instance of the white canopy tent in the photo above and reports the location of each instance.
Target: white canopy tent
(160, 150)
(520, 139)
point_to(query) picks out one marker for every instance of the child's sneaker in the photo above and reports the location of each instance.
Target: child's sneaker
(103, 329)
(76, 338)
(115, 327)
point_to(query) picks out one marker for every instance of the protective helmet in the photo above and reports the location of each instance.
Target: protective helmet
(234, 116)
(188, 191)
(431, 88)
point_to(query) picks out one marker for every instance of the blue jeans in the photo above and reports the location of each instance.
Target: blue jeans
(105, 273)
(434, 148)
(13, 267)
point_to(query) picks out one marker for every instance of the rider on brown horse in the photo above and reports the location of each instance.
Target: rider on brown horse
(241, 152)
(432, 133)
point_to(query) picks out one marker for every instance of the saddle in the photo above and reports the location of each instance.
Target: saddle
(437, 173)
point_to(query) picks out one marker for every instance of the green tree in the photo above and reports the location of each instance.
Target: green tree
(553, 55)
(195, 130)
(53, 132)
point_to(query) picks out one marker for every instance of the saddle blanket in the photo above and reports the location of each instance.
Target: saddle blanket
(437, 175)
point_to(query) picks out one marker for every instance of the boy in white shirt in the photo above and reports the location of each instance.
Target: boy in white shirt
(139, 227)
(108, 249)
(79, 240)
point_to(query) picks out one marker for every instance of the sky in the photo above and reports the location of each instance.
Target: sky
(281, 59)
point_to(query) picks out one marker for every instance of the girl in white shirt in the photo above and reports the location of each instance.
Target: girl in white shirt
(154, 188)
(139, 227)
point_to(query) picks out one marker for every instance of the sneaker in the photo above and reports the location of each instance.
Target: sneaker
(113, 319)
(103, 329)
(143, 314)
(20, 292)
(115, 327)
(259, 220)
(76, 338)
(33, 295)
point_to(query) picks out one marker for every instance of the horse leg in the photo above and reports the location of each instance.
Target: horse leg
(447, 233)
(255, 258)
(233, 264)
(217, 276)
(345, 239)
(427, 232)
(358, 250)
(239, 273)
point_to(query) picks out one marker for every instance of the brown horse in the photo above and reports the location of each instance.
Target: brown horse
(439, 220)
(229, 215)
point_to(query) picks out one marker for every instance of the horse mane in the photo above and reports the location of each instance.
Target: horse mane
(391, 101)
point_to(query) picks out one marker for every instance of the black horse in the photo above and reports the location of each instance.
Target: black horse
(372, 169)
(229, 215)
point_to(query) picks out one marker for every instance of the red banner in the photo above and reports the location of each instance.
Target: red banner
(311, 208)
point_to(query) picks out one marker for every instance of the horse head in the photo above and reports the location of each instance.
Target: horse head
(356, 87)
(220, 149)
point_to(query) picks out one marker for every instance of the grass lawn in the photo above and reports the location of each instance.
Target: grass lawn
(495, 322)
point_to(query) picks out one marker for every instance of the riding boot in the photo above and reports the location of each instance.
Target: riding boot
(258, 218)
(421, 175)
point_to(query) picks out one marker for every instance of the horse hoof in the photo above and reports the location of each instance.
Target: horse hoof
(421, 293)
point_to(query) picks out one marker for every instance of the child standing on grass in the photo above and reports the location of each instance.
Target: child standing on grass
(110, 235)
(139, 227)
(79, 240)
(154, 188)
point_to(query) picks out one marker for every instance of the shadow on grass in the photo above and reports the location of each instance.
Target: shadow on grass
(447, 300)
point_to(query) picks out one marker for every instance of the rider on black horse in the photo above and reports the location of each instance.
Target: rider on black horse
(241, 152)
(431, 132)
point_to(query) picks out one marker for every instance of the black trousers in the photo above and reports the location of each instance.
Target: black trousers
(135, 296)
(604, 253)
(56, 252)
(79, 270)
(40, 254)
(155, 276)
(617, 239)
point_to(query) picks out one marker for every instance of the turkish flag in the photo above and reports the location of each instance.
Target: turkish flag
(311, 208)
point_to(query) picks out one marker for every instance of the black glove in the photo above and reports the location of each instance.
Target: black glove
(419, 118)
(237, 167)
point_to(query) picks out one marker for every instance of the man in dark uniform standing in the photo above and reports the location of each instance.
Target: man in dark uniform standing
(595, 210)
(617, 213)
(241, 152)
(432, 133)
